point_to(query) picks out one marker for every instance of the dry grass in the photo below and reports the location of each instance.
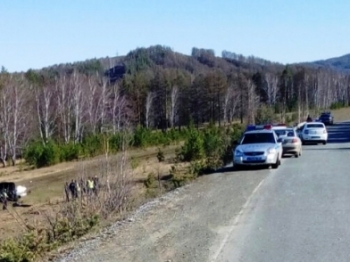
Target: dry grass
(342, 114)
(46, 184)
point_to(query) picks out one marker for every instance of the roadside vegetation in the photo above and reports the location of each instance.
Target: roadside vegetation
(153, 97)
(202, 151)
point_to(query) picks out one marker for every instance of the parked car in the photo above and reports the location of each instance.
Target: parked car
(314, 132)
(291, 143)
(14, 192)
(258, 147)
(326, 118)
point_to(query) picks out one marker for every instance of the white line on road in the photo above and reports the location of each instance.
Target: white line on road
(234, 223)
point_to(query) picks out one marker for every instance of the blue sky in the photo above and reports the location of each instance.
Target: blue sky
(38, 33)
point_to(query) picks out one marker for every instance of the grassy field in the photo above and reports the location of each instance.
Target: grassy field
(46, 185)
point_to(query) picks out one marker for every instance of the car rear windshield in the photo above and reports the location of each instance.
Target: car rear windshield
(284, 132)
(315, 126)
(258, 138)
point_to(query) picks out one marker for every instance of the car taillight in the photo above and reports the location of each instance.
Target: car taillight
(294, 140)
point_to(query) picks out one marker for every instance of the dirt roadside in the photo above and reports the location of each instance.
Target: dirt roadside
(188, 224)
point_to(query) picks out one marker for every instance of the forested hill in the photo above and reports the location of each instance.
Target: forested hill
(158, 89)
(341, 63)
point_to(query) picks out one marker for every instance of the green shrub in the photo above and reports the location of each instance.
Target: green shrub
(193, 149)
(37, 241)
(265, 114)
(69, 152)
(115, 142)
(40, 155)
(337, 105)
(93, 145)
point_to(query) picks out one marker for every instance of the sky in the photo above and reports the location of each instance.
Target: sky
(40, 33)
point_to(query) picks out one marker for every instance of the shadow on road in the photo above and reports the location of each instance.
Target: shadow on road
(325, 148)
(339, 133)
(231, 169)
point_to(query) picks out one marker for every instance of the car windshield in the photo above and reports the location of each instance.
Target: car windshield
(281, 132)
(314, 126)
(255, 138)
(284, 132)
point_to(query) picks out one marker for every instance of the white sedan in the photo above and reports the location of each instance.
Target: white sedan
(260, 147)
(314, 132)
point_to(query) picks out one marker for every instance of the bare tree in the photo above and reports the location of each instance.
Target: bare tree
(149, 103)
(18, 116)
(173, 105)
(253, 101)
(77, 104)
(93, 107)
(119, 109)
(64, 106)
(44, 96)
(5, 109)
(230, 103)
(271, 89)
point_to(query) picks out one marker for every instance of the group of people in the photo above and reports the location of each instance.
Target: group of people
(76, 189)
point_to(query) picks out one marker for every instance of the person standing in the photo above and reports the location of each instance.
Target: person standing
(3, 197)
(72, 188)
(77, 189)
(66, 190)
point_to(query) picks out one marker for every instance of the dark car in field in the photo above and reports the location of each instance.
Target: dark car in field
(14, 192)
(326, 118)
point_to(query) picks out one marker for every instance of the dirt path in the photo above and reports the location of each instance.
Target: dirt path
(185, 225)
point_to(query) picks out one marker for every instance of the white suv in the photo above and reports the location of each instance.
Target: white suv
(315, 132)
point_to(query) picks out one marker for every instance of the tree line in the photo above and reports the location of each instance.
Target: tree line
(156, 89)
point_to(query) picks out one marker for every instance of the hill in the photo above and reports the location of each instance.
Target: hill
(341, 63)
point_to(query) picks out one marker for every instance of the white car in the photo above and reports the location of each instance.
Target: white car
(259, 147)
(314, 132)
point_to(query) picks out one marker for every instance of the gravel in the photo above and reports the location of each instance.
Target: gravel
(187, 224)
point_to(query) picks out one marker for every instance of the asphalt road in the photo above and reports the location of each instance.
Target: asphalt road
(301, 212)
(298, 212)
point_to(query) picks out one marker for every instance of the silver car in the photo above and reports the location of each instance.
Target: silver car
(259, 147)
(291, 143)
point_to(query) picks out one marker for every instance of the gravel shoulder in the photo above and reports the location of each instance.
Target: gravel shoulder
(189, 224)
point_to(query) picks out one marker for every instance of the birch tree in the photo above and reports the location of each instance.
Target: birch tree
(64, 106)
(77, 100)
(17, 116)
(119, 109)
(173, 105)
(253, 101)
(271, 89)
(46, 113)
(148, 108)
(5, 109)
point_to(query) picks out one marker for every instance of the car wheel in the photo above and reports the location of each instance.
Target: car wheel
(236, 167)
(296, 155)
(324, 142)
(278, 163)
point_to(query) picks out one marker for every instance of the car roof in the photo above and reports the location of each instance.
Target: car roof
(315, 123)
(259, 131)
(311, 123)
